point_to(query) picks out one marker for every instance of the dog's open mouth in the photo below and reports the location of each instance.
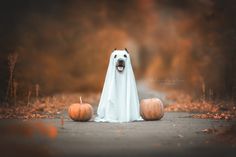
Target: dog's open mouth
(120, 65)
(120, 68)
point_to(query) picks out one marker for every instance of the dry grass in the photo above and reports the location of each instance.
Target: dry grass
(46, 107)
(204, 109)
(193, 107)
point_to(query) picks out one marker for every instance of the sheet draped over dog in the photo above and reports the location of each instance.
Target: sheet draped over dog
(119, 100)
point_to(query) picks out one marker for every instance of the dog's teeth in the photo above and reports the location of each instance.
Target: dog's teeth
(120, 68)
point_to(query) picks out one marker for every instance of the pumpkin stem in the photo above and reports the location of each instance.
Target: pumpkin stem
(80, 98)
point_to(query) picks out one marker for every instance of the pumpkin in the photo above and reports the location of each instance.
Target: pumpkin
(151, 109)
(80, 111)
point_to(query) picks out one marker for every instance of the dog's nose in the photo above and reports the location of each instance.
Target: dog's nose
(121, 61)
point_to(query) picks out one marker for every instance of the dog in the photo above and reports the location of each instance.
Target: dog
(119, 100)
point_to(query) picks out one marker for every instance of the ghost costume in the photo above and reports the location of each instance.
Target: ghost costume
(119, 100)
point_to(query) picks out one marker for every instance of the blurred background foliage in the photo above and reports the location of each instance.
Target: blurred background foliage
(64, 46)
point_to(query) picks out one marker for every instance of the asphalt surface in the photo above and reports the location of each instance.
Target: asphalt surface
(176, 134)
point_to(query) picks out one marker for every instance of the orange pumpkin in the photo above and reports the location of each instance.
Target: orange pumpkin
(80, 111)
(151, 109)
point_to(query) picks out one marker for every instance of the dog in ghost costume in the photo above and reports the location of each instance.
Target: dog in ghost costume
(119, 100)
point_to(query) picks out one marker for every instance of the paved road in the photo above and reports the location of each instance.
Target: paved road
(175, 135)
